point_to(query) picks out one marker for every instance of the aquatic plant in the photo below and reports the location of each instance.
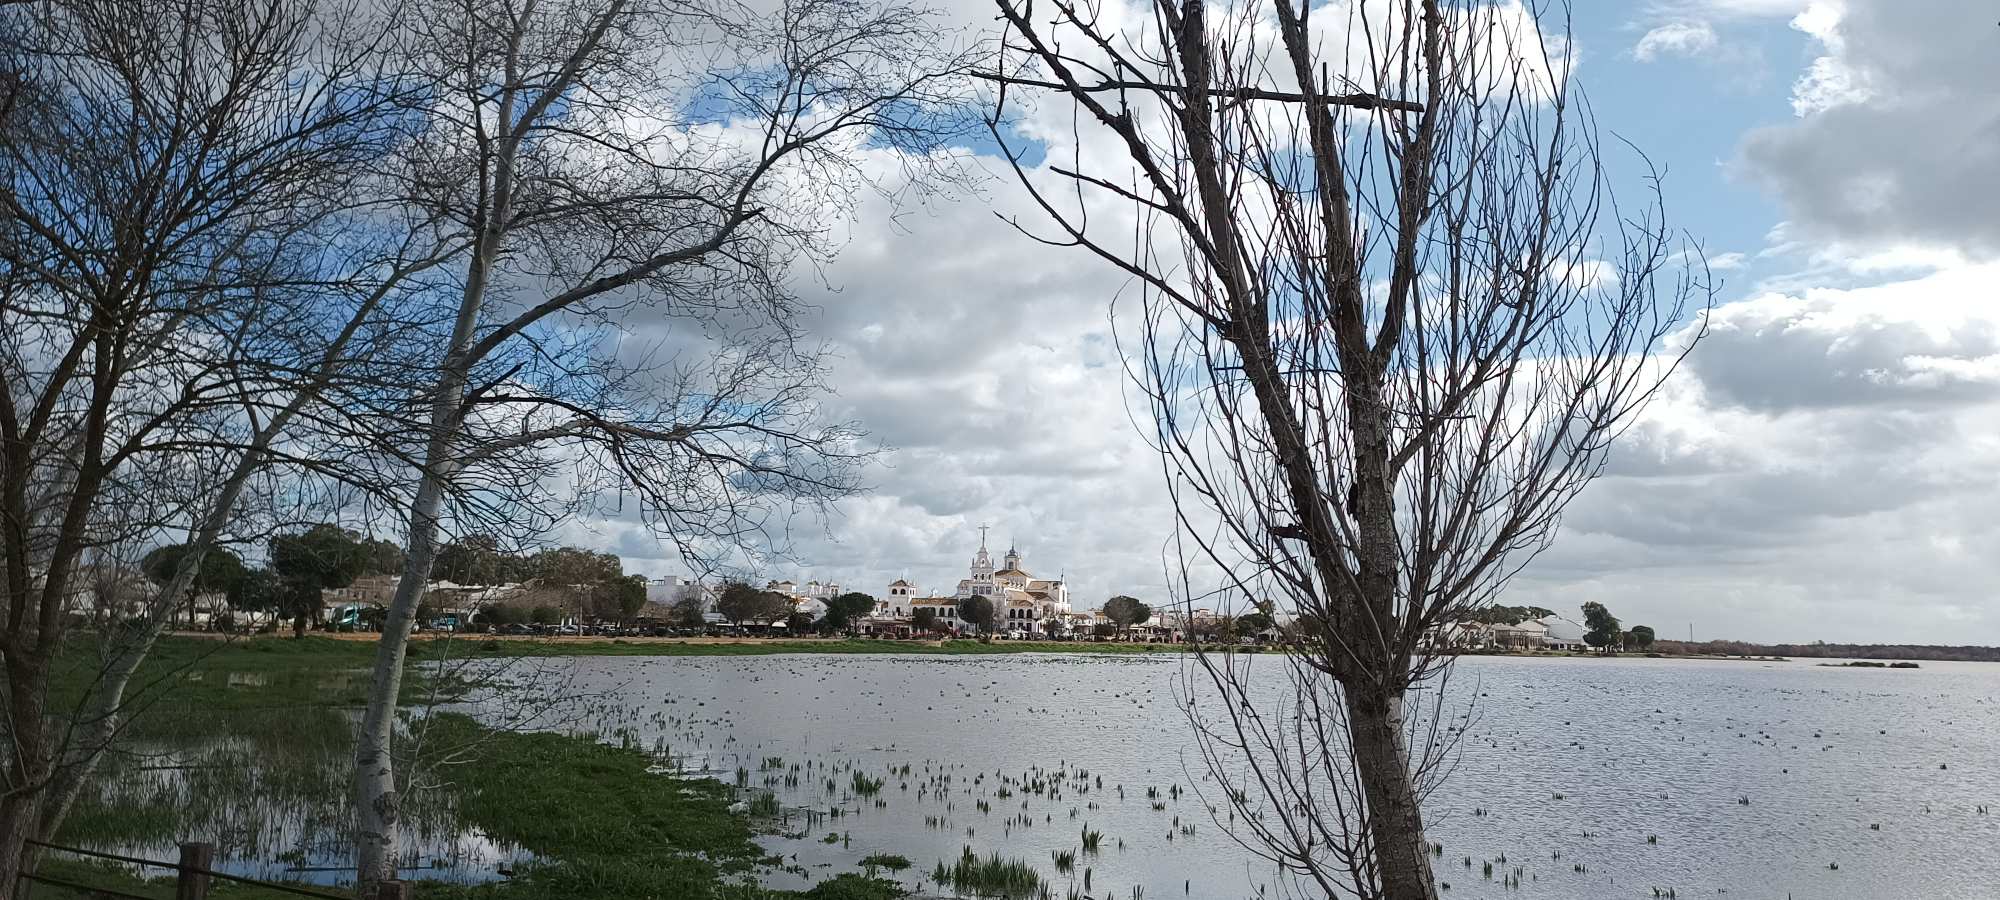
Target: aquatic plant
(865, 786)
(990, 876)
(890, 861)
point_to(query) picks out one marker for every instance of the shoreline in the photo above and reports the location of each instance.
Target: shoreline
(560, 646)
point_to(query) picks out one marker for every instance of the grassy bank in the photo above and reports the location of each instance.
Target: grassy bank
(483, 646)
(263, 727)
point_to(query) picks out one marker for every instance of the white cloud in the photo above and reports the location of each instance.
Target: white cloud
(1820, 470)
(1833, 79)
(1723, 262)
(1675, 39)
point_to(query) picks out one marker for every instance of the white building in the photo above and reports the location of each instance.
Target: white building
(671, 589)
(1528, 635)
(896, 603)
(809, 598)
(1021, 602)
(1562, 634)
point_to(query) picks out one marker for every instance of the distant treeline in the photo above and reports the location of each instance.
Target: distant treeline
(1821, 650)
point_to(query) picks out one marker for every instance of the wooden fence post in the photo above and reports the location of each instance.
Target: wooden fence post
(191, 881)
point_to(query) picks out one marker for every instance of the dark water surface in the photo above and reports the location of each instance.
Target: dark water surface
(1575, 763)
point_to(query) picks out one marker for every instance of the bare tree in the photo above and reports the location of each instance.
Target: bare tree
(1389, 323)
(183, 268)
(607, 161)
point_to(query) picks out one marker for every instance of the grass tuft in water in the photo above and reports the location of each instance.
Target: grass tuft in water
(989, 876)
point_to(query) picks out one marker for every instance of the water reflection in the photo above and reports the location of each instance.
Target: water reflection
(273, 802)
(1581, 778)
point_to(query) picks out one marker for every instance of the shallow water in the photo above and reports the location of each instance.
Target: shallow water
(1568, 764)
(273, 813)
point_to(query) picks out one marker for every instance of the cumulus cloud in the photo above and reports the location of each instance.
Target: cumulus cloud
(983, 362)
(1897, 134)
(1821, 469)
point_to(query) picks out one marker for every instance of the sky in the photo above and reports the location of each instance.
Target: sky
(1822, 468)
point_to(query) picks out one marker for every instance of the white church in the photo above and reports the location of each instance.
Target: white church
(1021, 602)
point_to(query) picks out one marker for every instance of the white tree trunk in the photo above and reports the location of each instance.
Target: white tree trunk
(102, 710)
(376, 802)
(377, 813)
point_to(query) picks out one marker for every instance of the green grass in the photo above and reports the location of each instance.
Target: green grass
(473, 645)
(598, 823)
(605, 827)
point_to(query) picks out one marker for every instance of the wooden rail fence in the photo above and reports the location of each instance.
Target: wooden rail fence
(193, 874)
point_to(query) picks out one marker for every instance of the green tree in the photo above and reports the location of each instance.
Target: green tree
(494, 615)
(473, 559)
(977, 611)
(687, 612)
(1640, 637)
(1306, 625)
(384, 558)
(311, 562)
(586, 581)
(1126, 612)
(742, 603)
(738, 602)
(1104, 629)
(259, 590)
(798, 623)
(220, 570)
(1601, 627)
(545, 615)
(924, 620)
(629, 593)
(842, 611)
(1252, 624)
(773, 608)
(1508, 615)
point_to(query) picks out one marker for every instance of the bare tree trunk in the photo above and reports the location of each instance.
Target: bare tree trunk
(723, 224)
(377, 804)
(102, 717)
(20, 805)
(17, 823)
(102, 713)
(376, 801)
(1395, 821)
(1375, 372)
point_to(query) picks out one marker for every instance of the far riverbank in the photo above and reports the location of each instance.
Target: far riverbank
(536, 645)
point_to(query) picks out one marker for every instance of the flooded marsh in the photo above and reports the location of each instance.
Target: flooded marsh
(1070, 776)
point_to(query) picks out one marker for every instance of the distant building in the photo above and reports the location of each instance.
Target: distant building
(664, 592)
(809, 598)
(1021, 602)
(1528, 635)
(1545, 633)
(896, 603)
(1563, 634)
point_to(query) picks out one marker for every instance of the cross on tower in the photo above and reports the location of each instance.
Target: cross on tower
(982, 535)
